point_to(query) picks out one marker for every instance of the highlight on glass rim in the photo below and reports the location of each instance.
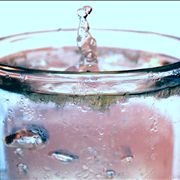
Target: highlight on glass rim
(89, 103)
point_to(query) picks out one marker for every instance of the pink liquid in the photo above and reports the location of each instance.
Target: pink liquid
(67, 59)
(113, 137)
(130, 137)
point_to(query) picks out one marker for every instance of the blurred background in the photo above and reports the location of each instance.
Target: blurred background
(157, 16)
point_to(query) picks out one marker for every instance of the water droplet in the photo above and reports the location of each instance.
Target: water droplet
(85, 167)
(126, 154)
(153, 156)
(22, 168)
(110, 173)
(22, 77)
(92, 151)
(85, 42)
(47, 176)
(123, 110)
(19, 152)
(101, 131)
(152, 147)
(154, 126)
(86, 175)
(82, 174)
(104, 147)
(98, 176)
(128, 159)
(47, 169)
(63, 156)
(57, 174)
(29, 137)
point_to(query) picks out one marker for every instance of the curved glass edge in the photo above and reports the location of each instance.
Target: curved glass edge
(97, 29)
(3, 66)
(89, 83)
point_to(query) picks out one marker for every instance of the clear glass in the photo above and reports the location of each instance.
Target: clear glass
(120, 122)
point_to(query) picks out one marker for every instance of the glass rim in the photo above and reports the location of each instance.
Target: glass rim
(33, 70)
(122, 82)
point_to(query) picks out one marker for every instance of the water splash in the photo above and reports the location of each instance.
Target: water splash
(85, 41)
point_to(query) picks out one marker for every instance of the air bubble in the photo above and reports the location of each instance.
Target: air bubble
(86, 175)
(101, 131)
(84, 167)
(63, 156)
(126, 154)
(22, 168)
(110, 173)
(128, 159)
(154, 126)
(92, 151)
(31, 136)
(19, 152)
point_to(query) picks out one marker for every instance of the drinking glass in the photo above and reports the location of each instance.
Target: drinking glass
(121, 121)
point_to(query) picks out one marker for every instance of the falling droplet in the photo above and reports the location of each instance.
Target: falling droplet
(63, 156)
(85, 42)
(110, 173)
(22, 168)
